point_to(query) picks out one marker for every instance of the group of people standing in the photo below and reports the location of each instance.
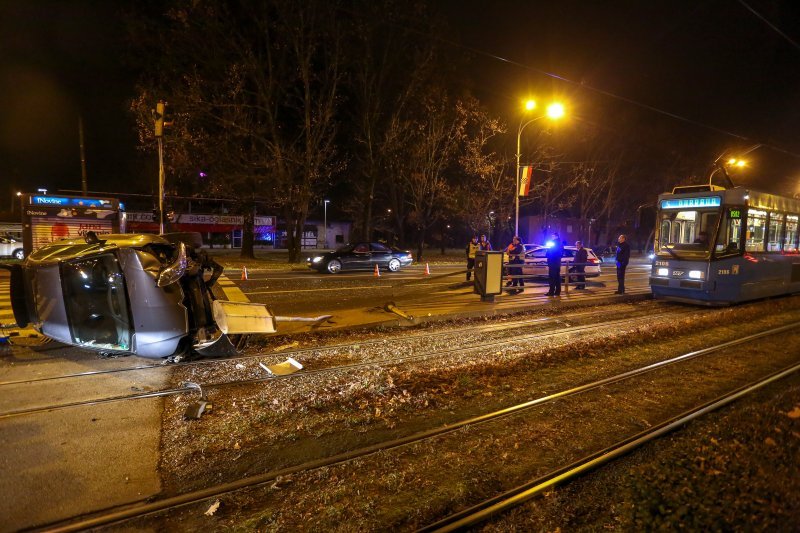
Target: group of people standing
(554, 254)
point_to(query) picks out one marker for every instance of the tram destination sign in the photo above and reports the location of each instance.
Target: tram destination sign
(691, 203)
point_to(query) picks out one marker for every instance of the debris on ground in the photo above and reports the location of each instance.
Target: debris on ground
(290, 366)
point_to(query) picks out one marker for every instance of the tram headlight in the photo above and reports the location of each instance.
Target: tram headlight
(662, 272)
(696, 274)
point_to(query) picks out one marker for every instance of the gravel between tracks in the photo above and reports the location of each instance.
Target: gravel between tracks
(258, 428)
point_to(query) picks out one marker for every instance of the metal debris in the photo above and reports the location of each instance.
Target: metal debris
(213, 509)
(290, 366)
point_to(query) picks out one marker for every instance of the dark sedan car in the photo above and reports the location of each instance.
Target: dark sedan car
(361, 256)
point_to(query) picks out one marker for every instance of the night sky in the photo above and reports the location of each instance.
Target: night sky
(729, 79)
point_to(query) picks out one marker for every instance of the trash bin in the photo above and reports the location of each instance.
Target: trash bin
(488, 274)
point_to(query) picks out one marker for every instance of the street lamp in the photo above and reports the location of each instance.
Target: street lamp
(325, 229)
(554, 112)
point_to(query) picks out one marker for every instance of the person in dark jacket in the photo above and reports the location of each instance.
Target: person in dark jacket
(516, 256)
(623, 256)
(484, 243)
(554, 254)
(580, 260)
(472, 247)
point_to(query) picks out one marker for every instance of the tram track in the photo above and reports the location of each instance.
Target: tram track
(407, 337)
(310, 373)
(480, 511)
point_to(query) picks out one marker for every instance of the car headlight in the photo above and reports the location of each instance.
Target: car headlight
(317, 259)
(696, 274)
(663, 272)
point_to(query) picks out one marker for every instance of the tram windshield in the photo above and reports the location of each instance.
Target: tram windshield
(687, 233)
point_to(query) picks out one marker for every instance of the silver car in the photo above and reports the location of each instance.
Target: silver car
(10, 247)
(135, 293)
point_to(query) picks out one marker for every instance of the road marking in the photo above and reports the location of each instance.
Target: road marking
(231, 290)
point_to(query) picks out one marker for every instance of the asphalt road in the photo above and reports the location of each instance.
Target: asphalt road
(299, 292)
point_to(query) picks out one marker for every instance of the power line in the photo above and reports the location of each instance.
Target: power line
(771, 25)
(597, 90)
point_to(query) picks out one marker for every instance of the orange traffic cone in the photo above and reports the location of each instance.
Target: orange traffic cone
(377, 272)
(244, 273)
(427, 270)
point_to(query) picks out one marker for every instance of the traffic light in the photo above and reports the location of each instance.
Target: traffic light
(158, 116)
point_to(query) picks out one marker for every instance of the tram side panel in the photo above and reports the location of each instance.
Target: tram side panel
(726, 281)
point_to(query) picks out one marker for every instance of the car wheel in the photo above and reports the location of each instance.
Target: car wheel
(394, 265)
(18, 254)
(334, 266)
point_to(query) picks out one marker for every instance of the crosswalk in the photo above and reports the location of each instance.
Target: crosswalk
(8, 326)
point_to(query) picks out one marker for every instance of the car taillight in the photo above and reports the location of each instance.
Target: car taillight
(593, 260)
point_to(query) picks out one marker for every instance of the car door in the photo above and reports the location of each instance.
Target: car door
(379, 254)
(535, 262)
(359, 258)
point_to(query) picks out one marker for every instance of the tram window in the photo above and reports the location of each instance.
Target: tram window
(775, 230)
(730, 234)
(790, 237)
(756, 229)
(687, 231)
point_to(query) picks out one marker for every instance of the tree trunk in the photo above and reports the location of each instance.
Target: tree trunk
(248, 234)
(420, 245)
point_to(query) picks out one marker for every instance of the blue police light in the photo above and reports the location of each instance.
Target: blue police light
(549, 244)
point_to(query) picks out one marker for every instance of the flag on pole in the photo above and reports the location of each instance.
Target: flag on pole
(525, 180)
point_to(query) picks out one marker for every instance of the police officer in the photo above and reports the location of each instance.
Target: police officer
(554, 254)
(472, 247)
(581, 257)
(516, 255)
(623, 255)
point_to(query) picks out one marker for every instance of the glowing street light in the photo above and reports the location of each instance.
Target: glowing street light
(554, 112)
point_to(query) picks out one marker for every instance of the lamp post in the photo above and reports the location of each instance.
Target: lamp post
(325, 229)
(554, 112)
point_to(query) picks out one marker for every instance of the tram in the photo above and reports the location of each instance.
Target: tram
(718, 246)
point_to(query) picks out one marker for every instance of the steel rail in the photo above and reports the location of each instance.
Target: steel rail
(523, 493)
(119, 515)
(328, 370)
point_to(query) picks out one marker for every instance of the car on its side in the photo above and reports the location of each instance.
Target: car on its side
(361, 256)
(10, 247)
(140, 294)
(536, 261)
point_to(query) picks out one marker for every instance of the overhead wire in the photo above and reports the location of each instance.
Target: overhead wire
(597, 90)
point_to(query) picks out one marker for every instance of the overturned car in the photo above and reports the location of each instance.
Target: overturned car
(142, 294)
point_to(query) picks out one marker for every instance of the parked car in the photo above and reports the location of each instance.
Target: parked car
(361, 256)
(11, 248)
(131, 294)
(536, 261)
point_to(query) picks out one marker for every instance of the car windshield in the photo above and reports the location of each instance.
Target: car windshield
(96, 302)
(687, 233)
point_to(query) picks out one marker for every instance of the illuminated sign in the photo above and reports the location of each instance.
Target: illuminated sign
(735, 212)
(70, 202)
(691, 203)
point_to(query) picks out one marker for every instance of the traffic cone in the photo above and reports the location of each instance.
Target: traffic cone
(244, 273)
(377, 272)
(427, 270)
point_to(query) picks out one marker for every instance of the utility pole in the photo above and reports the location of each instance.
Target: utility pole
(159, 134)
(84, 184)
